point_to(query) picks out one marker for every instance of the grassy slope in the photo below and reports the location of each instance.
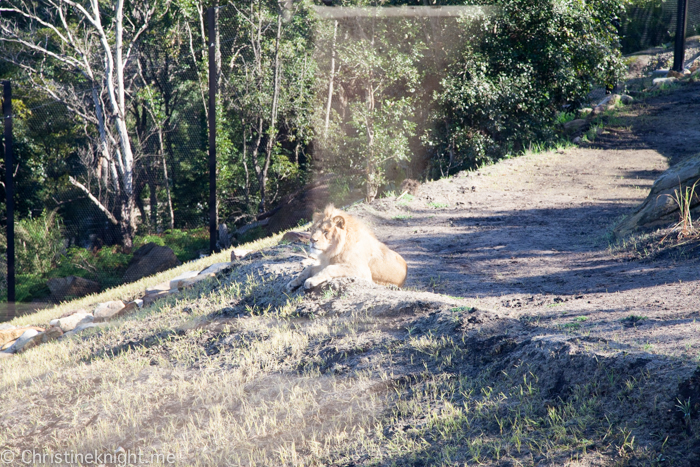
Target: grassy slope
(234, 372)
(237, 373)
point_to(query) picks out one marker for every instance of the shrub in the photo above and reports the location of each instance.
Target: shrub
(38, 243)
(518, 69)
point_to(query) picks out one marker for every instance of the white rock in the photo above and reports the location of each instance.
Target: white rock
(659, 73)
(73, 321)
(82, 328)
(239, 253)
(660, 81)
(184, 276)
(156, 289)
(53, 322)
(106, 310)
(627, 100)
(139, 302)
(577, 140)
(217, 268)
(28, 335)
(6, 326)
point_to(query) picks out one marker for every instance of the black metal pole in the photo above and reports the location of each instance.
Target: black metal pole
(211, 23)
(9, 190)
(681, 21)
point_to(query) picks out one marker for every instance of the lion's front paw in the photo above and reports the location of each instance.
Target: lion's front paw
(312, 283)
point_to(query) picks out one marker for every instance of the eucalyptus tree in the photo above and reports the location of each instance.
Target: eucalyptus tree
(367, 108)
(266, 94)
(82, 53)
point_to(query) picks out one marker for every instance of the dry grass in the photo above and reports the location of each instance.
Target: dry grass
(135, 290)
(235, 372)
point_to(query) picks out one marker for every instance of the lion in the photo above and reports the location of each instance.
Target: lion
(345, 247)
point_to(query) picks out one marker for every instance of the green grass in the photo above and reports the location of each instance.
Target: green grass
(437, 205)
(405, 200)
(105, 265)
(402, 217)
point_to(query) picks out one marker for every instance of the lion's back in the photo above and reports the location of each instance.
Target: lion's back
(386, 265)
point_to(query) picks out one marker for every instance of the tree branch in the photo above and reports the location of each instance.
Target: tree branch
(97, 203)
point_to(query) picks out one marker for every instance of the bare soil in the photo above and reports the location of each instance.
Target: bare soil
(529, 239)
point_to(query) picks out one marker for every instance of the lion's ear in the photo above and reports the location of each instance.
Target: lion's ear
(339, 221)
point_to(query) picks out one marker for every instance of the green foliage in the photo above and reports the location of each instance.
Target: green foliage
(564, 117)
(516, 72)
(646, 23)
(265, 129)
(43, 256)
(376, 69)
(38, 243)
(186, 244)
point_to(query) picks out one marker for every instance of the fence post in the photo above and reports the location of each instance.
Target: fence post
(681, 21)
(211, 27)
(9, 190)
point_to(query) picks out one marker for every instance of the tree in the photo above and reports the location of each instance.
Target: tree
(80, 52)
(376, 75)
(267, 82)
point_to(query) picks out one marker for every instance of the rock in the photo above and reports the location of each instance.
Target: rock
(148, 260)
(6, 326)
(128, 308)
(239, 253)
(576, 126)
(626, 99)
(19, 344)
(32, 342)
(51, 334)
(162, 287)
(597, 110)
(661, 81)
(302, 237)
(173, 284)
(151, 298)
(577, 140)
(216, 268)
(63, 288)
(105, 311)
(195, 280)
(7, 345)
(53, 322)
(609, 102)
(71, 322)
(82, 328)
(659, 209)
(72, 312)
(659, 73)
(9, 335)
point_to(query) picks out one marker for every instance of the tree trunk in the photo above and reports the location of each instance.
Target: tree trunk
(330, 80)
(272, 133)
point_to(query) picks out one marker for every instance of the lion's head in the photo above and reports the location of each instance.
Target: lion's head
(328, 233)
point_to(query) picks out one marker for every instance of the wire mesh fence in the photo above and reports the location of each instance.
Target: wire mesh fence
(653, 23)
(70, 190)
(314, 104)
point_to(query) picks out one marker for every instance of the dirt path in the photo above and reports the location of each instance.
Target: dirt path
(530, 237)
